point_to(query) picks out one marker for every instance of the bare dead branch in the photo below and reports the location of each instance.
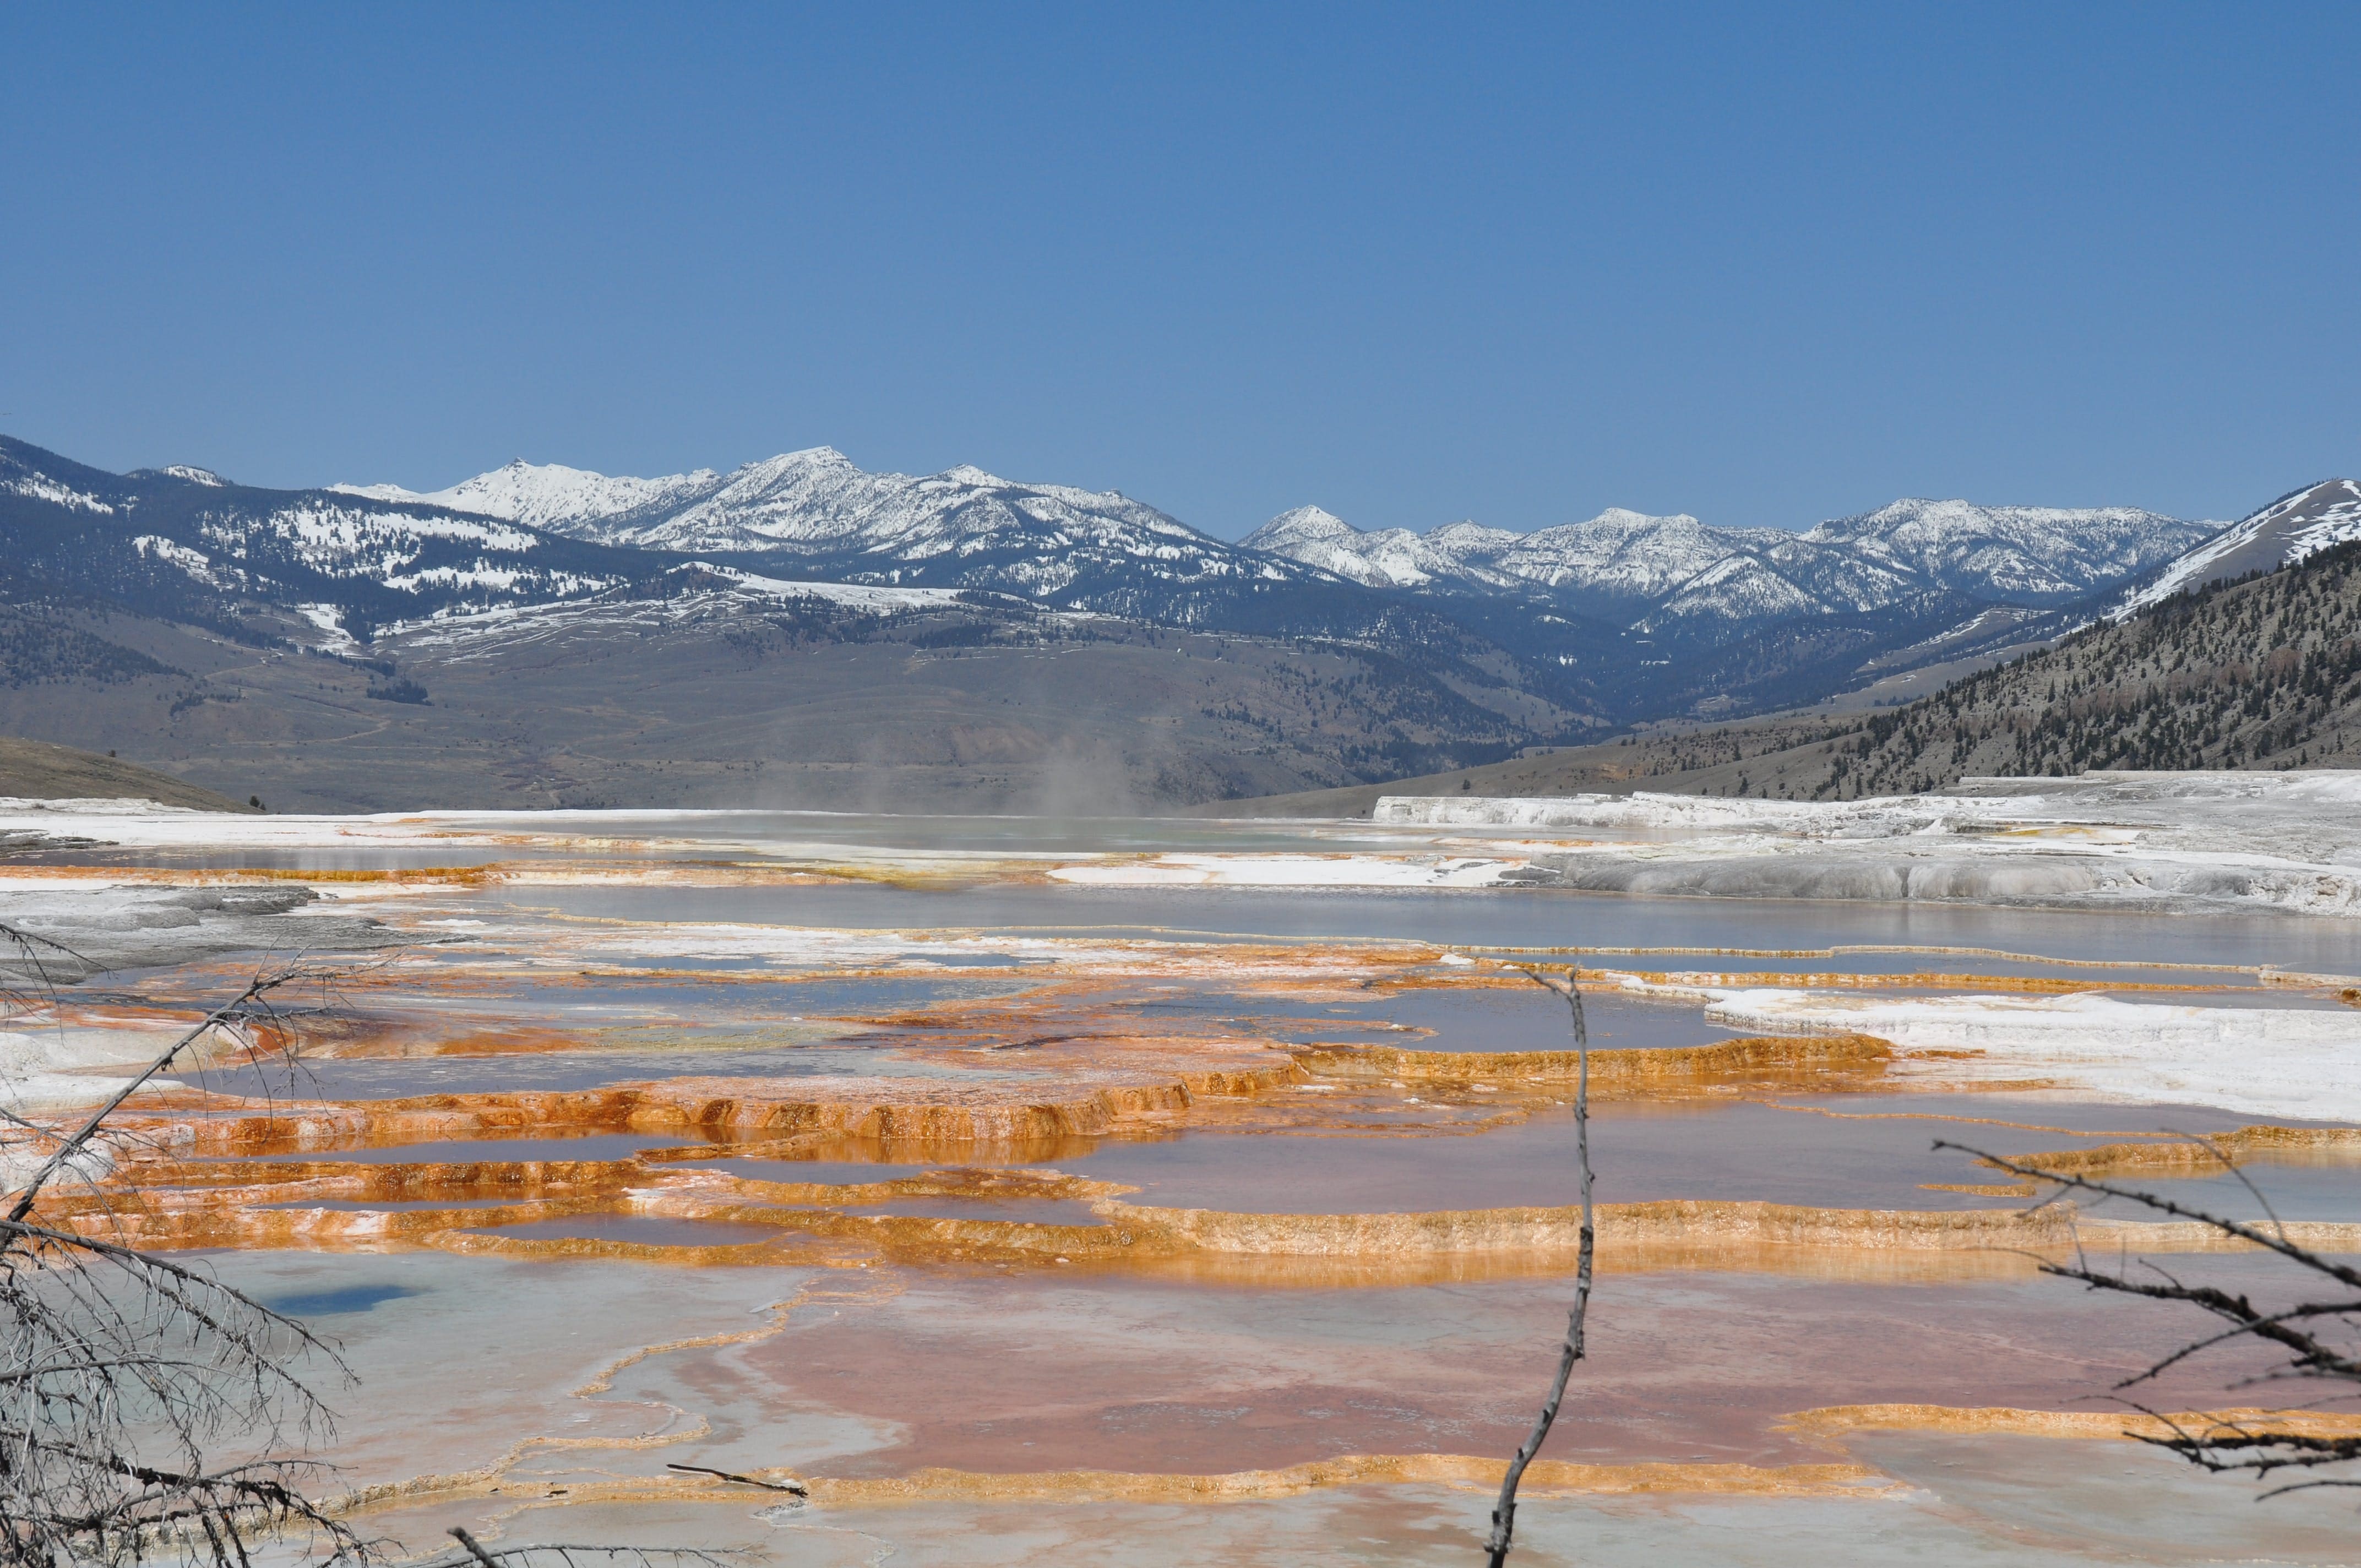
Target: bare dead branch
(147, 1409)
(2316, 1339)
(476, 1553)
(1504, 1510)
(797, 1488)
(230, 1014)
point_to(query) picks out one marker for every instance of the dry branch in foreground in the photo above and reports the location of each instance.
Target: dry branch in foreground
(1504, 1511)
(2315, 1332)
(125, 1377)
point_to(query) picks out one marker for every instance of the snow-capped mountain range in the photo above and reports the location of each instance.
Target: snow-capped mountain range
(1673, 569)
(1626, 567)
(1624, 613)
(963, 526)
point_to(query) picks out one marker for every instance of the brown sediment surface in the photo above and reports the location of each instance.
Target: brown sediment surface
(1835, 1060)
(2200, 1154)
(206, 1210)
(1061, 1090)
(1546, 1477)
(886, 1109)
(1834, 1421)
(1452, 1469)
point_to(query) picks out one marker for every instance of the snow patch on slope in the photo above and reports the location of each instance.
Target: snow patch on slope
(472, 633)
(2287, 531)
(42, 487)
(195, 562)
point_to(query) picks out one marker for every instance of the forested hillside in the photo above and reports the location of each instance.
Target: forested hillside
(2264, 673)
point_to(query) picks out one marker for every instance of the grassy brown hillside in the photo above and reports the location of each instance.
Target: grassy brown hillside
(2262, 672)
(707, 702)
(35, 770)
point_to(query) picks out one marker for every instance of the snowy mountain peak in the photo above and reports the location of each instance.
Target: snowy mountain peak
(1468, 536)
(1300, 523)
(1389, 558)
(2017, 553)
(815, 504)
(1623, 520)
(544, 495)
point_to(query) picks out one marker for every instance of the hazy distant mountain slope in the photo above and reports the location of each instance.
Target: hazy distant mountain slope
(1678, 566)
(2015, 555)
(184, 544)
(718, 689)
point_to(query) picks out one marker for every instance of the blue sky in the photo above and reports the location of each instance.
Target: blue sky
(1762, 264)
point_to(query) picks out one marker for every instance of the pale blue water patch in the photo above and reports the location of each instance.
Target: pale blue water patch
(337, 1302)
(811, 993)
(1530, 1019)
(2269, 1189)
(732, 965)
(969, 960)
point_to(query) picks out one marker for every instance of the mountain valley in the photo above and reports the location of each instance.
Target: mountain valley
(2258, 671)
(801, 632)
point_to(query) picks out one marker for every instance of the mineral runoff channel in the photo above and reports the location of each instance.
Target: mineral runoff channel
(1016, 1213)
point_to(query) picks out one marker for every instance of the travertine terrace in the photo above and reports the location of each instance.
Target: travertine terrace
(1172, 1192)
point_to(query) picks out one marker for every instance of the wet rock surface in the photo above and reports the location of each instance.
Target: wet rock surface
(82, 932)
(1018, 1220)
